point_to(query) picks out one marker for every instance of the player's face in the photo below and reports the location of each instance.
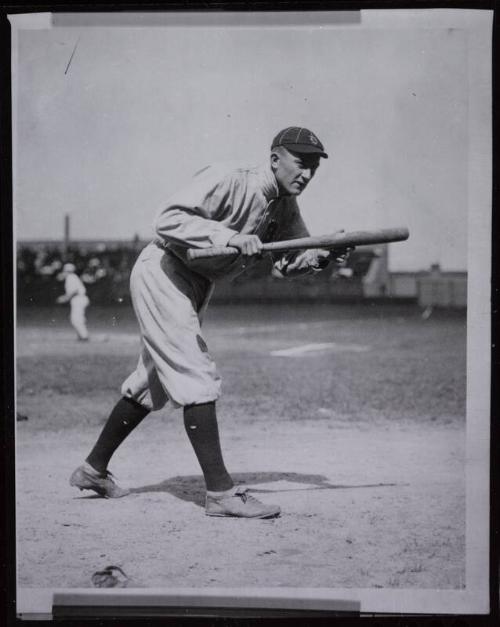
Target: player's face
(293, 170)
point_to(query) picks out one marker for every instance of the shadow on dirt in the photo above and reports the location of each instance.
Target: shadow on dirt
(192, 487)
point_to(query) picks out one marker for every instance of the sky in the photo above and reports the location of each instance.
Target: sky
(111, 120)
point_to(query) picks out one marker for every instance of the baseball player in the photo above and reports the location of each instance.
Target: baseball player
(76, 294)
(237, 206)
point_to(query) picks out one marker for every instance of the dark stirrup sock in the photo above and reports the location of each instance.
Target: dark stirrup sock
(200, 422)
(124, 418)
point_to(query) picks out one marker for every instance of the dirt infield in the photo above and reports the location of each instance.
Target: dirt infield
(359, 437)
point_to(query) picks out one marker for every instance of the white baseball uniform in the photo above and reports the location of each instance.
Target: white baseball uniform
(169, 292)
(76, 293)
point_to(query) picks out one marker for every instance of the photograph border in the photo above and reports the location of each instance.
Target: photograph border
(8, 291)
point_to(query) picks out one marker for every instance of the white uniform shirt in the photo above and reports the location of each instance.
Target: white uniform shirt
(223, 200)
(73, 286)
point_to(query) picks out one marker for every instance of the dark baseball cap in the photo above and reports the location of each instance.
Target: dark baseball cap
(299, 139)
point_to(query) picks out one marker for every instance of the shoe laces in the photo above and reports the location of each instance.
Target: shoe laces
(107, 474)
(244, 496)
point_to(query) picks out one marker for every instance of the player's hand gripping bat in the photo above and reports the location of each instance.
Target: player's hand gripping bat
(330, 242)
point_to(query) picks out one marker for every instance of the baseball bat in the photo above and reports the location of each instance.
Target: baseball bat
(336, 240)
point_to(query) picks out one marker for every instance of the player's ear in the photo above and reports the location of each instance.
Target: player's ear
(274, 160)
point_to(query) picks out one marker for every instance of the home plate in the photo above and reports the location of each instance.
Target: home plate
(332, 347)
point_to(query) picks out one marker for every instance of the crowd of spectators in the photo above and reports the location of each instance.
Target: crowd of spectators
(105, 269)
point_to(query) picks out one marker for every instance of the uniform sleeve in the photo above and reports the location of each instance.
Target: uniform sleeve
(193, 216)
(295, 263)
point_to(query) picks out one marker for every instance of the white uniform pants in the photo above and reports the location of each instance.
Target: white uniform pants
(174, 364)
(77, 317)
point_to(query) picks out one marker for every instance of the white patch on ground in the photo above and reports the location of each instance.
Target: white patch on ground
(324, 411)
(295, 351)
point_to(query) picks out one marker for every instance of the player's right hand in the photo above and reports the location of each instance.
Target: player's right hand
(247, 244)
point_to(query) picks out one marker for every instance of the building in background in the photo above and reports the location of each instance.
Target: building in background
(442, 289)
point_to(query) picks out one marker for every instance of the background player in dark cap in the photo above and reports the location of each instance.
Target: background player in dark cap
(223, 206)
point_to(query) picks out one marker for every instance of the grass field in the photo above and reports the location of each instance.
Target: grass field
(389, 363)
(356, 429)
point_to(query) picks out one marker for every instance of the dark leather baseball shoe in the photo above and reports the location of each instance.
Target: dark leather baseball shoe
(87, 478)
(238, 503)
